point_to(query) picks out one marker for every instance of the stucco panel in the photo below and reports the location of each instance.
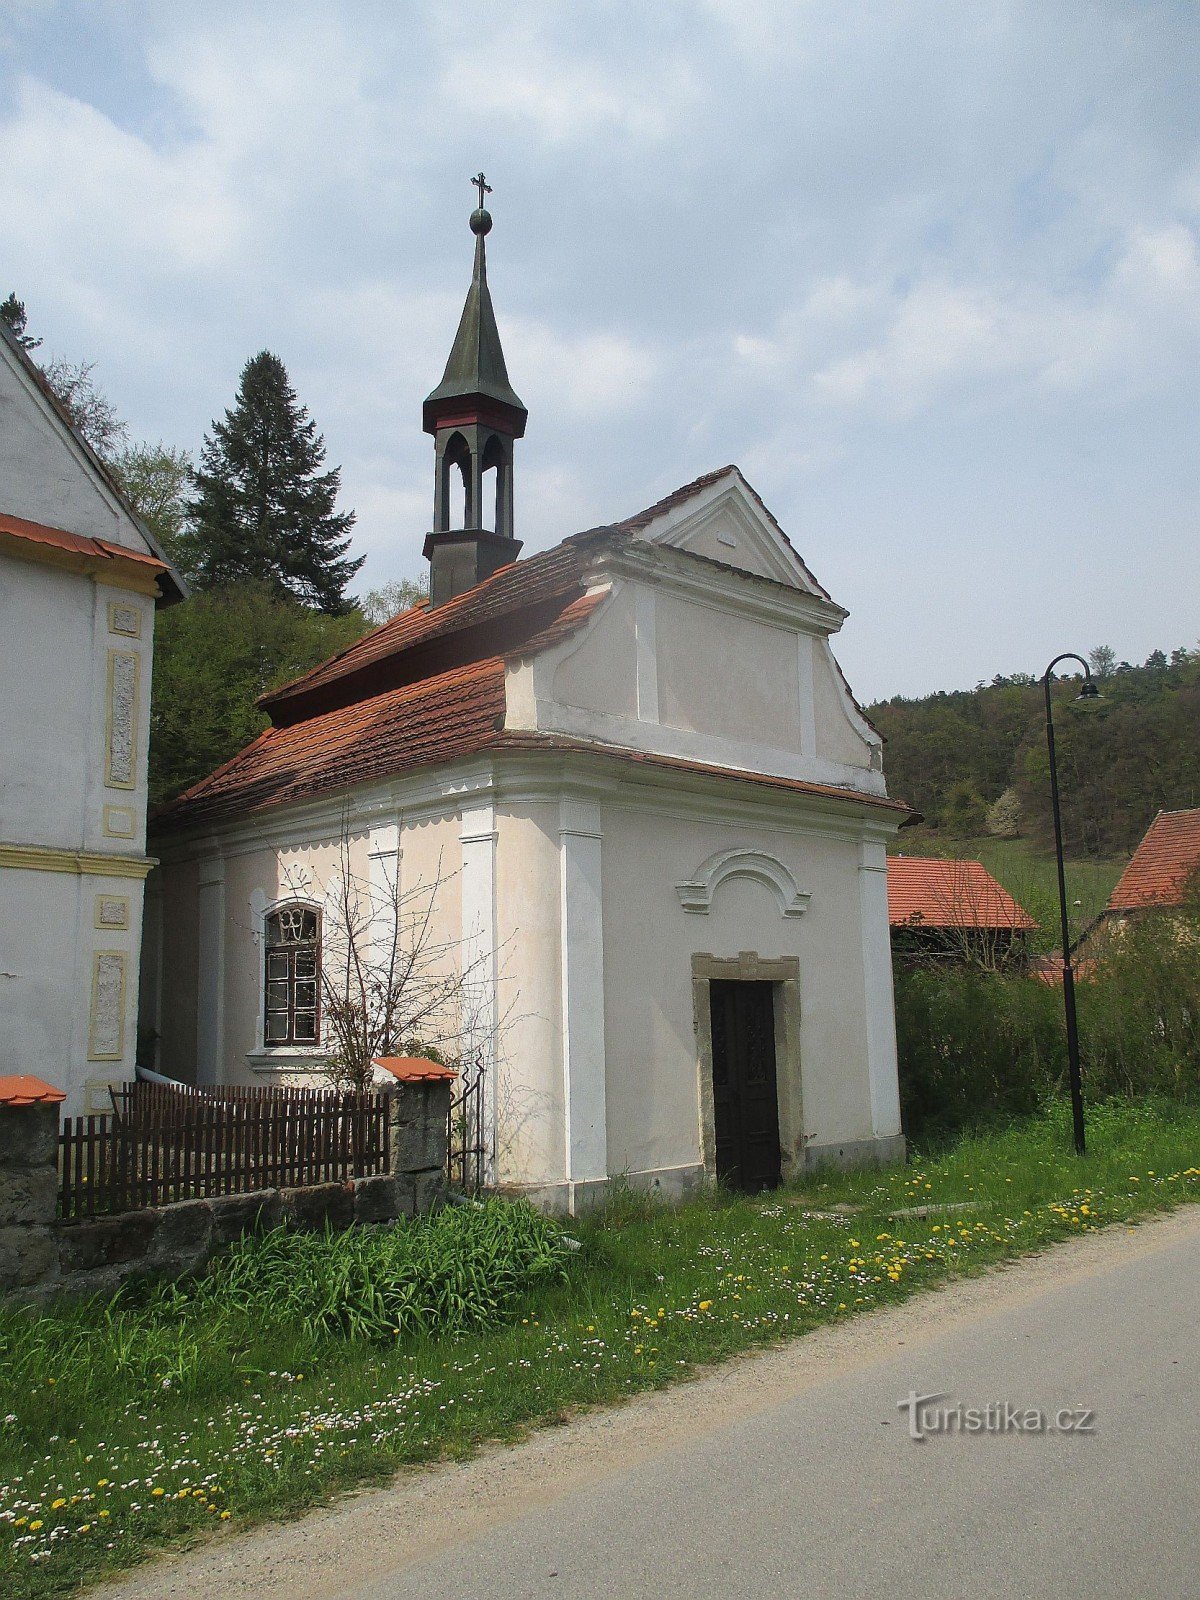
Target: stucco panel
(837, 738)
(724, 538)
(599, 673)
(706, 681)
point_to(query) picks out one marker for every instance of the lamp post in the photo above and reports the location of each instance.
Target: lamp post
(1089, 691)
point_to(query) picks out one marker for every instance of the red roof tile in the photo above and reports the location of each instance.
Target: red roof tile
(428, 686)
(495, 610)
(1162, 864)
(928, 893)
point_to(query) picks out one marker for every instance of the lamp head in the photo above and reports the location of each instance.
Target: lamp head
(1090, 691)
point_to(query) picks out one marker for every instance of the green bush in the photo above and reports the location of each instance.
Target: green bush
(976, 1047)
(1139, 1007)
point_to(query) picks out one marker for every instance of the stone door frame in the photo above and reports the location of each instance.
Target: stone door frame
(783, 973)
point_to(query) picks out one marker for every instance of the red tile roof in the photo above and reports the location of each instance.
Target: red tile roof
(484, 620)
(436, 719)
(39, 533)
(515, 602)
(1162, 864)
(414, 1069)
(928, 893)
(26, 1090)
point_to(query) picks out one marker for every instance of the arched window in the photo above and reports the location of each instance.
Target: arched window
(292, 976)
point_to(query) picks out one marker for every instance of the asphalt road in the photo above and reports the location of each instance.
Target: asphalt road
(794, 1473)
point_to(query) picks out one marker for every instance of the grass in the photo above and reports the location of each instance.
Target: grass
(1030, 876)
(153, 1420)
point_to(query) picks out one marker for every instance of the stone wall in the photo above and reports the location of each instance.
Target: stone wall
(41, 1255)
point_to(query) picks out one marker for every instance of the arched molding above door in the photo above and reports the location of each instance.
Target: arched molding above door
(697, 894)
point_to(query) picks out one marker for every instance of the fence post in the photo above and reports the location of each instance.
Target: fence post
(418, 1129)
(28, 1181)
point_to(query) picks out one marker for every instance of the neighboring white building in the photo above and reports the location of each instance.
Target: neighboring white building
(656, 812)
(79, 581)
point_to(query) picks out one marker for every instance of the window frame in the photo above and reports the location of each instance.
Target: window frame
(291, 1045)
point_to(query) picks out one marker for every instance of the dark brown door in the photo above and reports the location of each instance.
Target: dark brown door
(745, 1101)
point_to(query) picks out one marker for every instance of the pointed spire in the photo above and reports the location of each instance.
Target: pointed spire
(476, 368)
(475, 417)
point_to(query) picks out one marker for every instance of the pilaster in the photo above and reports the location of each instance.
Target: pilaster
(882, 1067)
(582, 964)
(210, 977)
(478, 840)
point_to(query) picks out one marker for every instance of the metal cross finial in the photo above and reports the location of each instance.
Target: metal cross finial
(483, 186)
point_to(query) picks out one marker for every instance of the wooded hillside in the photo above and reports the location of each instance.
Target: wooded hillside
(974, 760)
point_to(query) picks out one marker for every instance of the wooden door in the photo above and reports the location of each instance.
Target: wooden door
(745, 1101)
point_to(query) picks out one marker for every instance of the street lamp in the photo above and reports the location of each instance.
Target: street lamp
(1089, 691)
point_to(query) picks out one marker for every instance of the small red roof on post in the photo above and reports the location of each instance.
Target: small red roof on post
(414, 1069)
(25, 1090)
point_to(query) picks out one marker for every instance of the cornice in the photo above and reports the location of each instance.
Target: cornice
(706, 582)
(85, 863)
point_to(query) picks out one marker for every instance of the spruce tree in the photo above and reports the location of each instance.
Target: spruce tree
(12, 312)
(264, 509)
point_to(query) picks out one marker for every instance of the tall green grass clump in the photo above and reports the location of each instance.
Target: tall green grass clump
(274, 1298)
(461, 1269)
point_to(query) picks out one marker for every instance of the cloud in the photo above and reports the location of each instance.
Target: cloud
(592, 374)
(79, 186)
(896, 260)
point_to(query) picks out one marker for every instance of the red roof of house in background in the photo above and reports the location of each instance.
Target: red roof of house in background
(1162, 864)
(927, 893)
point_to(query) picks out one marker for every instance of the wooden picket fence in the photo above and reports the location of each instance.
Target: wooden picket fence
(161, 1144)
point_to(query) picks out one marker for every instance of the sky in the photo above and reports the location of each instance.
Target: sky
(929, 272)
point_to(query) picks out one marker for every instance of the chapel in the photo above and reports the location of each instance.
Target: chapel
(641, 809)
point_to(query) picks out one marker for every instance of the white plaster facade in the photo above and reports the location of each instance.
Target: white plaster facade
(700, 795)
(79, 582)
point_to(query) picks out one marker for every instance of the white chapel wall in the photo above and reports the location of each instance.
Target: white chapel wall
(649, 941)
(44, 477)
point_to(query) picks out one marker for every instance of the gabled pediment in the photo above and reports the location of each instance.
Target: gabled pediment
(51, 478)
(723, 519)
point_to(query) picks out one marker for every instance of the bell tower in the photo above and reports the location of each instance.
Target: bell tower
(474, 416)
